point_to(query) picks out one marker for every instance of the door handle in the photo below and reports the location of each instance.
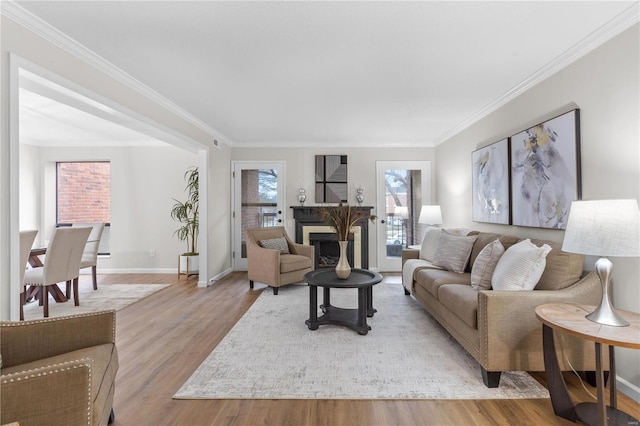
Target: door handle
(279, 211)
(382, 221)
(279, 220)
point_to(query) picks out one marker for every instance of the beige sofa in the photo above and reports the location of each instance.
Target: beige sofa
(58, 371)
(499, 327)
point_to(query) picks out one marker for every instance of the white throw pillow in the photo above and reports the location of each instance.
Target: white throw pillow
(453, 251)
(430, 243)
(520, 267)
(485, 264)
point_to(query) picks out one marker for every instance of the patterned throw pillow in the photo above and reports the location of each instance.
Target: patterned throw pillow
(485, 264)
(453, 251)
(279, 243)
(520, 267)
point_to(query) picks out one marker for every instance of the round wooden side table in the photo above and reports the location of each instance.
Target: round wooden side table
(570, 319)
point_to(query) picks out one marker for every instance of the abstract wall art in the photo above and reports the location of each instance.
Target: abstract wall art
(545, 172)
(331, 178)
(491, 183)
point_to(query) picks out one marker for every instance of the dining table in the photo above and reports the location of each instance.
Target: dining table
(33, 290)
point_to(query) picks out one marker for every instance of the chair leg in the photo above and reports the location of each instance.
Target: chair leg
(76, 296)
(275, 291)
(94, 276)
(45, 300)
(251, 284)
(68, 292)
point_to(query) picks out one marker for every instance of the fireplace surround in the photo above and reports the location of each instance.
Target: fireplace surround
(312, 230)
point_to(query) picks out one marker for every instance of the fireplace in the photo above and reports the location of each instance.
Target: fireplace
(311, 230)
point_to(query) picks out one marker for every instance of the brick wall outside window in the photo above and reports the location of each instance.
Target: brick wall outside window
(84, 192)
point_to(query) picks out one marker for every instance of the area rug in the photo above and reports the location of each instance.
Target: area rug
(108, 296)
(271, 354)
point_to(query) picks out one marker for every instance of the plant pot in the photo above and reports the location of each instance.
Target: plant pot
(189, 264)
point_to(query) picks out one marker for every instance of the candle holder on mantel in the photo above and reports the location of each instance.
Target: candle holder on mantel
(360, 196)
(302, 196)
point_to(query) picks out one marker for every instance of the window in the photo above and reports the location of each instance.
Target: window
(84, 195)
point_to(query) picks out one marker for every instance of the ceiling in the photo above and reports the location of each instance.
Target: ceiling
(333, 73)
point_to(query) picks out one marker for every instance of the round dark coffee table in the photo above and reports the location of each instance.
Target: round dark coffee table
(355, 319)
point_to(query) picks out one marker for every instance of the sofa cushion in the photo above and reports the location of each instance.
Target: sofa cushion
(563, 269)
(279, 243)
(453, 251)
(430, 243)
(485, 238)
(485, 264)
(520, 267)
(462, 300)
(293, 262)
(432, 279)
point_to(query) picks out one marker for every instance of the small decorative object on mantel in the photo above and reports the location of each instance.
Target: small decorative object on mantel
(360, 196)
(302, 196)
(342, 218)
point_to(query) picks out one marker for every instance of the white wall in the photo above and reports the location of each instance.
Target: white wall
(20, 41)
(144, 181)
(605, 86)
(361, 170)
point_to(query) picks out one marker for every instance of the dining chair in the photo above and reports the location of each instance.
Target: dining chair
(90, 253)
(61, 263)
(26, 242)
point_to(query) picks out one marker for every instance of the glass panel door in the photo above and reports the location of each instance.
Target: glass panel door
(258, 189)
(403, 187)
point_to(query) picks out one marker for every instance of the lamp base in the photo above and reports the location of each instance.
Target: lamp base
(605, 313)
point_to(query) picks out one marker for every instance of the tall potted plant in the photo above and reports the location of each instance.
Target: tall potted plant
(186, 214)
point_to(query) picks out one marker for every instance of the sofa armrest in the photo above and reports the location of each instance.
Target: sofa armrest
(26, 341)
(33, 396)
(408, 253)
(508, 325)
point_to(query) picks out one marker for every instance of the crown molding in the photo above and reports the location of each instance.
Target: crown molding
(51, 34)
(597, 38)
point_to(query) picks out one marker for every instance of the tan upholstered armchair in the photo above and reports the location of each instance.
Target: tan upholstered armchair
(58, 371)
(285, 262)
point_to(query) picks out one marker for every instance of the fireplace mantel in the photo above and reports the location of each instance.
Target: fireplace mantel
(312, 216)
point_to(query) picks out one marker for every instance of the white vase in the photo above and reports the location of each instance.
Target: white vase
(343, 270)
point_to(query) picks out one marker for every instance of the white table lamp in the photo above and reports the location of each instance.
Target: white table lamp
(430, 215)
(604, 228)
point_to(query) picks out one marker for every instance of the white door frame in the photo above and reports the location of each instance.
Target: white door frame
(391, 264)
(237, 263)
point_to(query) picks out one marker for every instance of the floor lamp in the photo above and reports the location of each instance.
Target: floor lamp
(605, 228)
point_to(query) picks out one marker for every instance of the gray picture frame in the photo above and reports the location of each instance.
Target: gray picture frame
(490, 183)
(545, 172)
(331, 179)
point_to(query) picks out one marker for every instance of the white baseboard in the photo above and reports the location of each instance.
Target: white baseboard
(87, 271)
(628, 388)
(218, 277)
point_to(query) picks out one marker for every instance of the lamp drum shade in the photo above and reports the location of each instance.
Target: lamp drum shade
(603, 228)
(430, 215)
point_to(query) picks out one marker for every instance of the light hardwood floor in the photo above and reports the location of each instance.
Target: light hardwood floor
(162, 339)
